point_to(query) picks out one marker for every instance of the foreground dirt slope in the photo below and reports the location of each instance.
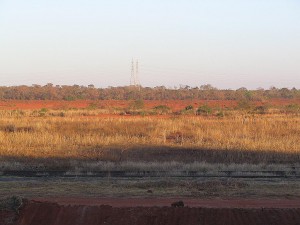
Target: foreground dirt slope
(46, 213)
(7, 217)
(162, 202)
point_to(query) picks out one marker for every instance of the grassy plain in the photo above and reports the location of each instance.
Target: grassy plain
(234, 136)
(88, 136)
(248, 152)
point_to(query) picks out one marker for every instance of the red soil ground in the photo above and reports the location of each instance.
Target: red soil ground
(47, 213)
(7, 217)
(190, 202)
(175, 105)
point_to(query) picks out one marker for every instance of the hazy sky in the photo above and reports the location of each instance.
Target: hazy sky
(226, 43)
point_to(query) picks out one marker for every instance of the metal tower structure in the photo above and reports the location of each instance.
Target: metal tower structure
(137, 81)
(134, 79)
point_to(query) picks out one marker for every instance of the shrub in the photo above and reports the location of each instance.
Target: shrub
(204, 110)
(220, 114)
(92, 106)
(10, 128)
(137, 104)
(61, 114)
(43, 112)
(189, 107)
(292, 108)
(11, 203)
(244, 104)
(261, 109)
(162, 109)
(187, 110)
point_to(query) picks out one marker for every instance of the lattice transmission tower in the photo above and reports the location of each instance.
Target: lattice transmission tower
(134, 79)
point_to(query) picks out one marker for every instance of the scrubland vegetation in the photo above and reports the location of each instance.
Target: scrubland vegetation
(228, 145)
(246, 135)
(86, 136)
(183, 92)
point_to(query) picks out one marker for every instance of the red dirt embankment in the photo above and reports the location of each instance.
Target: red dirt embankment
(7, 217)
(161, 202)
(47, 213)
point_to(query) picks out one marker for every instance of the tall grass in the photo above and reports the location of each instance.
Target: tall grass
(87, 137)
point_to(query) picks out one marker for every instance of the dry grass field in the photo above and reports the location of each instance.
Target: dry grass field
(225, 153)
(87, 134)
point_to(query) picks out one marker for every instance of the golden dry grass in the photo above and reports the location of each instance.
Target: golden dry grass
(86, 136)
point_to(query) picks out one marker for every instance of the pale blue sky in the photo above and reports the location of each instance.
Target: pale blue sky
(226, 43)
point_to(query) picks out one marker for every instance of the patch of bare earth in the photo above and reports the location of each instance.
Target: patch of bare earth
(158, 211)
(7, 217)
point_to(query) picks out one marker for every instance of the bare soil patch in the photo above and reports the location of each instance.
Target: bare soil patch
(49, 213)
(164, 202)
(7, 217)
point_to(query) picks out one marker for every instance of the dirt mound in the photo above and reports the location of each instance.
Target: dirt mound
(46, 213)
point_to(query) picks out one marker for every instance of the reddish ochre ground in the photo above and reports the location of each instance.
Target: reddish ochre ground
(153, 211)
(113, 211)
(175, 105)
(7, 217)
(190, 202)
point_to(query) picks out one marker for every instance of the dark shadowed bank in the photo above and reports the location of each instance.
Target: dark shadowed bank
(148, 155)
(47, 213)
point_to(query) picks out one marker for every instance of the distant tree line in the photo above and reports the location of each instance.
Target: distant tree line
(204, 92)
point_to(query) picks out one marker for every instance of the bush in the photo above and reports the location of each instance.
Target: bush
(244, 104)
(204, 110)
(137, 104)
(61, 114)
(92, 106)
(189, 107)
(162, 109)
(187, 110)
(220, 114)
(263, 109)
(292, 108)
(43, 112)
(10, 128)
(11, 203)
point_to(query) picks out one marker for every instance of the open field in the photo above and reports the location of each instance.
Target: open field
(233, 138)
(90, 150)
